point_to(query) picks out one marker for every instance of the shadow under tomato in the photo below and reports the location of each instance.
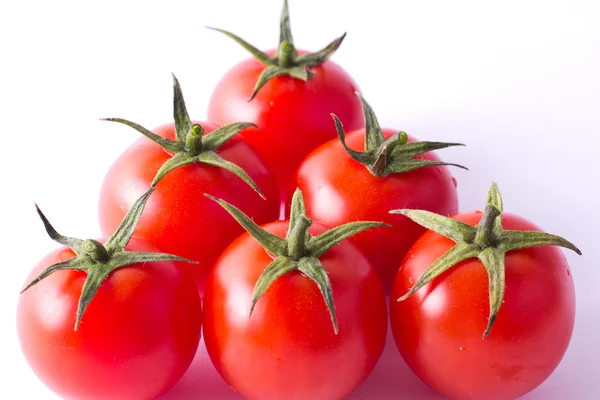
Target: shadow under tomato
(201, 381)
(391, 379)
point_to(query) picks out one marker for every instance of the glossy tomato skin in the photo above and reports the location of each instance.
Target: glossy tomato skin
(178, 217)
(439, 329)
(136, 339)
(287, 349)
(293, 115)
(338, 190)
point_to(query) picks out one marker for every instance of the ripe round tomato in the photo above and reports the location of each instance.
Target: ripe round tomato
(136, 339)
(287, 348)
(338, 189)
(293, 115)
(178, 216)
(438, 329)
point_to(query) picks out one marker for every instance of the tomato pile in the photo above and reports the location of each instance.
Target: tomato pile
(277, 228)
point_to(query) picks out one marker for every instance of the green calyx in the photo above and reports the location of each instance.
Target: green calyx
(299, 251)
(487, 241)
(392, 156)
(100, 260)
(286, 61)
(191, 145)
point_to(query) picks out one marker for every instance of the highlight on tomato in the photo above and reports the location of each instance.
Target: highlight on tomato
(289, 94)
(343, 184)
(293, 311)
(183, 161)
(483, 305)
(109, 319)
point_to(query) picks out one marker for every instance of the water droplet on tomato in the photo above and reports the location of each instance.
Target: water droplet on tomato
(463, 349)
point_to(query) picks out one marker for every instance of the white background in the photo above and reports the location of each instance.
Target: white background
(518, 82)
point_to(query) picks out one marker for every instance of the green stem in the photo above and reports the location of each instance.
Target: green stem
(99, 260)
(193, 140)
(297, 238)
(96, 251)
(393, 155)
(191, 146)
(286, 62)
(299, 251)
(380, 166)
(487, 241)
(485, 229)
(286, 54)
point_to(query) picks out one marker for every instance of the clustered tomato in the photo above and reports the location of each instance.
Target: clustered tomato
(178, 216)
(106, 319)
(526, 329)
(288, 349)
(292, 114)
(342, 184)
(481, 303)
(292, 94)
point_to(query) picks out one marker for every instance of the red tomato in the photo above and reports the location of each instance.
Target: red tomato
(438, 329)
(338, 189)
(137, 337)
(293, 115)
(288, 349)
(178, 216)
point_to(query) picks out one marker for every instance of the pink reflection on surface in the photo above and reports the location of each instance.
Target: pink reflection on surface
(201, 381)
(391, 380)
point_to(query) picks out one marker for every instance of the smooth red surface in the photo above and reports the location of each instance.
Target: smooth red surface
(178, 216)
(136, 339)
(293, 115)
(287, 349)
(439, 329)
(338, 190)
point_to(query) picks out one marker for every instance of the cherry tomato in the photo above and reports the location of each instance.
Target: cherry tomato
(137, 338)
(439, 328)
(338, 190)
(178, 216)
(293, 115)
(287, 348)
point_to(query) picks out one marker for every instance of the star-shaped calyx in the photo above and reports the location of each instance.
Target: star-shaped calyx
(487, 241)
(99, 260)
(191, 145)
(299, 251)
(392, 156)
(286, 61)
